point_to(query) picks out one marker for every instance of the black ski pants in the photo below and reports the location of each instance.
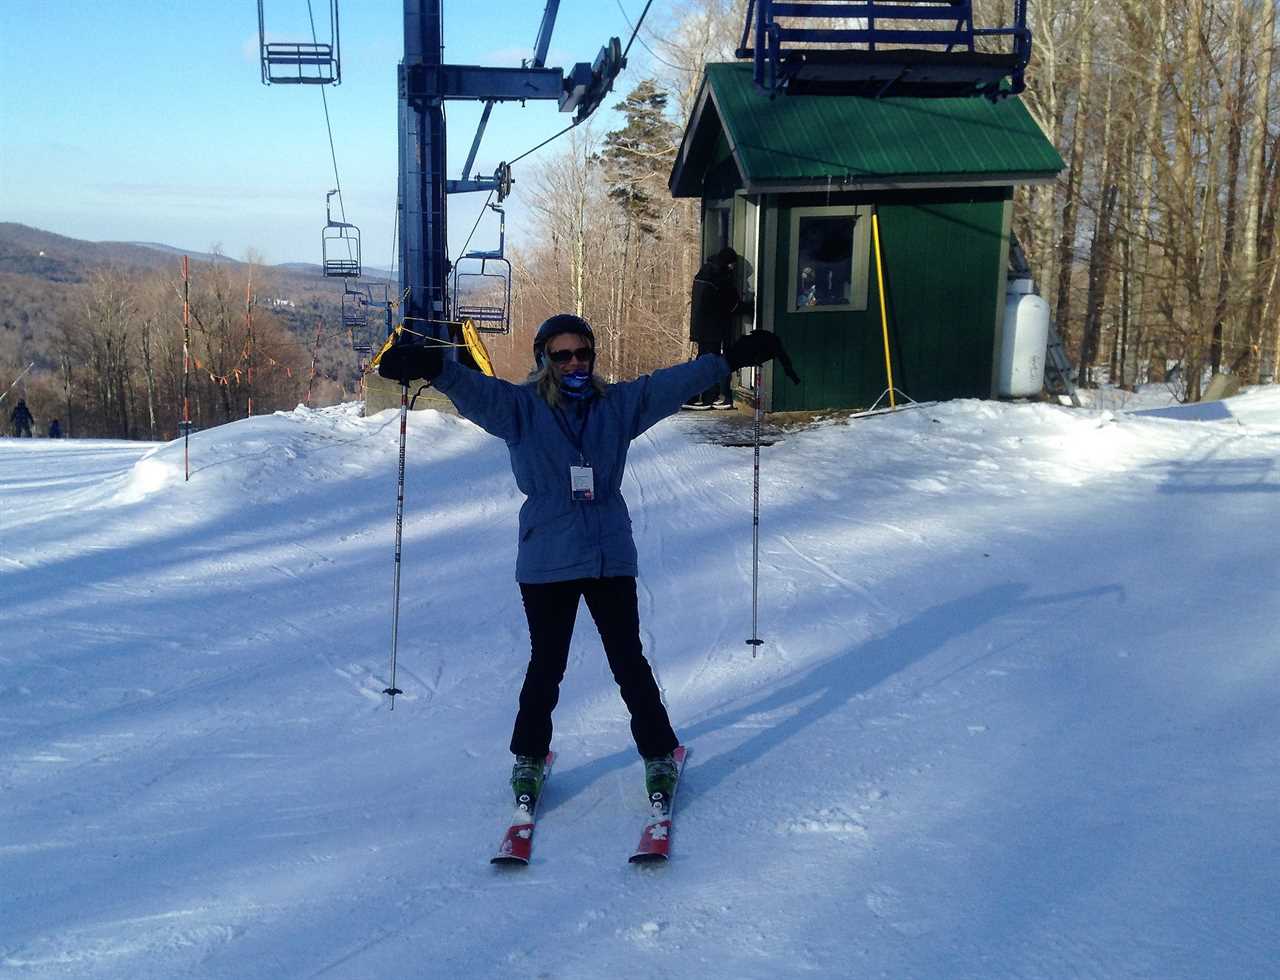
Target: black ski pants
(551, 609)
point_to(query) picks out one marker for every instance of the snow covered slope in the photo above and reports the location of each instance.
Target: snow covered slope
(1017, 713)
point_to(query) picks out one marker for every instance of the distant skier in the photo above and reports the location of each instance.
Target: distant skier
(21, 419)
(568, 434)
(55, 429)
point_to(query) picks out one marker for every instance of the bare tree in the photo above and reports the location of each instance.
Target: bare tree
(101, 338)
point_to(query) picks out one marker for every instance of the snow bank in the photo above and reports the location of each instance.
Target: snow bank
(1015, 714)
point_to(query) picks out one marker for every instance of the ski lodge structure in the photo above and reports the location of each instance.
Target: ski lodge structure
(874, 229)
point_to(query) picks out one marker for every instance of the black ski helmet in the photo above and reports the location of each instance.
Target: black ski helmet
(558, 324)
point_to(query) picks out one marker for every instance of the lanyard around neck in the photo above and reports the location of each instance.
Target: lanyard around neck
(574, 440)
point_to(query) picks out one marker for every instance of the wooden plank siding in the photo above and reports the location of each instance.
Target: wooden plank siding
(942, 267)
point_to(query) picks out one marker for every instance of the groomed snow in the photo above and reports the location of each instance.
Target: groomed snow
(1017, 713)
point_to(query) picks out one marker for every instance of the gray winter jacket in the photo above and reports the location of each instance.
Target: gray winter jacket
(562, 538)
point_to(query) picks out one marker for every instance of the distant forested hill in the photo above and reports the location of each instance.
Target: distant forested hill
(102, 322)
(43, 278)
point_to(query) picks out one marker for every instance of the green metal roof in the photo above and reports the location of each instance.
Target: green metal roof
(801, 142)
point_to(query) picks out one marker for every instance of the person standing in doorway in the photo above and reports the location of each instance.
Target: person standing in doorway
(714, 305)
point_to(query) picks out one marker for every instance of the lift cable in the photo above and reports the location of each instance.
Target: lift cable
(635, 31)
(333, 153)
(656, 56)
(544, 143)
(475, 226)
(644, 13)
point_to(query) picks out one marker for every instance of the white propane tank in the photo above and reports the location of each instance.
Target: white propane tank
(1024, 340)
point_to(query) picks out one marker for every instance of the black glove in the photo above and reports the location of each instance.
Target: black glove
(411, 362)
(757, 348)
(754, 349)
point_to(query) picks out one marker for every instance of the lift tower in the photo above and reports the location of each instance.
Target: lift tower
(426, 83)
(424, 260)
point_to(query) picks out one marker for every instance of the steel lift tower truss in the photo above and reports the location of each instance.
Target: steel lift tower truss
(426, 83)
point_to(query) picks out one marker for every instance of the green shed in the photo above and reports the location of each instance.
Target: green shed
(792, 182)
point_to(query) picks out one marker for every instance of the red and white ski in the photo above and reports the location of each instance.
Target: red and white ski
(517, 843)
(655, 839)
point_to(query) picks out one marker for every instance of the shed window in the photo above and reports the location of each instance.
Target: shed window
(717, 227)
(830, 248)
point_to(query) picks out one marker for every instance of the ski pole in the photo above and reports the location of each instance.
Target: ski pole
(16, 380)
(395, 589)
(790, 371)
(755, 640)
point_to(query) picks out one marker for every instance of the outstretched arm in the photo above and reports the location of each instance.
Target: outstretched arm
(661, 393)
(491, 403)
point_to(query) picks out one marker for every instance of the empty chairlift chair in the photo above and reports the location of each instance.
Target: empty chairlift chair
(483, 295)
(313, 62)
(339, 246)
(908, 47)
(356, 299)
(357, 303)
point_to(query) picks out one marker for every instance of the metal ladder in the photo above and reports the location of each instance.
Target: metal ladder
(1057, 370)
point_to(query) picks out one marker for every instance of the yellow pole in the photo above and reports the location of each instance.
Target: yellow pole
(884, 317)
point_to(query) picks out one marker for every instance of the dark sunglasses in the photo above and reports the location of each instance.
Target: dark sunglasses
(562, 356)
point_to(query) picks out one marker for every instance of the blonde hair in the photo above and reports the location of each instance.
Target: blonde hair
(548, 385)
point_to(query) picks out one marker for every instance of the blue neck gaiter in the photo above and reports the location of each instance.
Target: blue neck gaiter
(577, 385)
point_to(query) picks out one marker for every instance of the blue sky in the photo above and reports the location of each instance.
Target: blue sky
(147, 121)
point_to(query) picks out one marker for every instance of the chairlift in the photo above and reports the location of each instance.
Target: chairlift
(300, 62)
(361, 347)
(358, 302)
(925, 48)
(354, 312)
(339, 246)
(491, 281)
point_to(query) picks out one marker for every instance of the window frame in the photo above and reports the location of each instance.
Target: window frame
(860, 259)
(719, 211)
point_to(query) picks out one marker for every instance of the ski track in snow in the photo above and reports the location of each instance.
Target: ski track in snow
(1015, 714)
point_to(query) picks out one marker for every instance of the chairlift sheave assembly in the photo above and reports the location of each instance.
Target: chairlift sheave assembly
(313, 62)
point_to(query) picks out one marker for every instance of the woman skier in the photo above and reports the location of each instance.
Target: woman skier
(568, 434)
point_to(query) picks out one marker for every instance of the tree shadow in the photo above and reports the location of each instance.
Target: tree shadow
(1211, 475)
(822, 690)
(830, 685)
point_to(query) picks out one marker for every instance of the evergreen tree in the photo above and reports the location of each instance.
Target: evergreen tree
(637, 158)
